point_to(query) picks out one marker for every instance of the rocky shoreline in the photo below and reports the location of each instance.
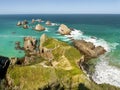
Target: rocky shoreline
(48, 53)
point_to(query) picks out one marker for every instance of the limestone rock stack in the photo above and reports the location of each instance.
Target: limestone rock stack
(64, 30)
(39, 27)
(45, 52)
(19, 23)
(48, 23)
(43, 38)
(29, 43)
(33, 20)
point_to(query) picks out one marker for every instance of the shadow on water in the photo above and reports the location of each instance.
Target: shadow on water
(82, 87)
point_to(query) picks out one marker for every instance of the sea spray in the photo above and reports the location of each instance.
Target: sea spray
(104, 73)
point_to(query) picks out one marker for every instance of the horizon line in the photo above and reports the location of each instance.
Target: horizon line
(51, 13)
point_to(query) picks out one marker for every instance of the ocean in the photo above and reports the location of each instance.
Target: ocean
(105, 28)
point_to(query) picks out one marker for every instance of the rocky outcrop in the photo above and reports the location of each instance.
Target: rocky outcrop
(30, 43)
(13, 60)
(19, 23)
(33, 20)
(43, 38)
(48, 23)
(64, 30)
(39, 27)
(23, 24)
(88, 49)
(4, 64)
(63, 74)
(45, 53)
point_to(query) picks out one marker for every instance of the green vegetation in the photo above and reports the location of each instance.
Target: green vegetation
(64, 70)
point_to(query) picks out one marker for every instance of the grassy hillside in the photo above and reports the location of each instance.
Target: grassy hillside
(64, 74)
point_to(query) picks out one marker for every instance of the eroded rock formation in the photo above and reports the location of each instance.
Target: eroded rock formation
(19, 23)
(88, 49)
(39, 27)
(48, 23)
(64, 30)
(30, 43)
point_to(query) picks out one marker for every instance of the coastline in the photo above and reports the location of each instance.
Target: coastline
(23, 31)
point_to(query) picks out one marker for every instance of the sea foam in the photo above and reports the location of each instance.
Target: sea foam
(77, 34)
(54, 24)
(104, 73)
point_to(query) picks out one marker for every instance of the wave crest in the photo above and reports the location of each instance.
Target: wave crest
(105, 73)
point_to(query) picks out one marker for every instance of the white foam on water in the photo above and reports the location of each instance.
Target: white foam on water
(78, 35)
(54, 24)
(75, 34)
(46, 29)
(105, 73)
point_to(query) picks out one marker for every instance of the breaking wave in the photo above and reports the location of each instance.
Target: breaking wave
(104, 73)
(54, 24)
(78, 35)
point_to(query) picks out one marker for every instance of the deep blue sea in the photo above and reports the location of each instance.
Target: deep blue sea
(104, 27)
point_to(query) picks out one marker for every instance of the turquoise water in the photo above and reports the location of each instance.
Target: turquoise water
(106, 28)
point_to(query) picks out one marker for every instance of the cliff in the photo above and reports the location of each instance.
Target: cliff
(60, 73)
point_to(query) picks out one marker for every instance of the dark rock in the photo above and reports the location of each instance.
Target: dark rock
(4, 64)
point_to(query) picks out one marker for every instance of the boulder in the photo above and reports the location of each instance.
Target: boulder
(88, 49)
(4, 64)
(64, 30)
(39, 27)
(48, 23)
